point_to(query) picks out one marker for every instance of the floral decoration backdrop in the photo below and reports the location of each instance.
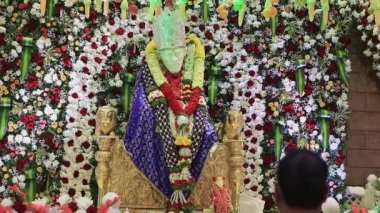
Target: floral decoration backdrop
(286, 73)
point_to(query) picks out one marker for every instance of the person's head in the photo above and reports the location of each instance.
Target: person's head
(302, 181)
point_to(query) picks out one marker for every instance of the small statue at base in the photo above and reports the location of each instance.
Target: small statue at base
(220, 196)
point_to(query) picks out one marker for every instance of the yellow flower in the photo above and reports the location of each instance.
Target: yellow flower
(63, 77)
(276, 104)
(39, 169)
(54, 124)
(182, 141)
(5, 169)
(6, 176)
(59, 130)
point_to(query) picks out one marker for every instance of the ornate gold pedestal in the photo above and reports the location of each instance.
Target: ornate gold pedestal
(117, 173)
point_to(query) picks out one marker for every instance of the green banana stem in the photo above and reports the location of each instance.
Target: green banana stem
(124, 9)
(5, 106)
(98, 5)
(127, 92)
(300, 76)
(274, 22)
(47, 191)
(205, 11)
(51, 8)
(213, 85)
(325, 128)
(341, 68)
(241, 14)
(325, 14)
(152, 6)
(278, 137)
(26, 54)
(30, 185)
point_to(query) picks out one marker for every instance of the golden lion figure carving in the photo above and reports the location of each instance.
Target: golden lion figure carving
(233, 126)
(105, 121)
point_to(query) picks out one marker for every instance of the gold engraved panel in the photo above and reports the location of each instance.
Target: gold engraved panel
(134, 189)
(216, 165)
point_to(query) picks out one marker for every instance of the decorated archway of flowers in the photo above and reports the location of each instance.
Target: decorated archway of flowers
(286, 73)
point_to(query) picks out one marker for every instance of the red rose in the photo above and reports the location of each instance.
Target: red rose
(76, 174)
(31, 117)
(340, 159)
(131, 50)
(194, 18)
(245, 165)
(111, 21)
(231, 37)
(308, 89)
(94, 45)
(268, 127)
(67, 62)
(312, 27)
(246, 181)
(116, 68)
(2, 39)
(21, 163)
(73, 206)
(301, 13)
(280, 28)
(24, 119)
(87, 167)
(268, 159)
(252, 48)
(345, 40)
(222, 45)
(248, 133)
(130, 35)
(142, 25)
(259, 127)
(84, 59)
(291, 48)
(92, 122)
(75, 95)
(119, 31)
(216, 27)
(83, 111)
(70, 143)
(104, 52)
(91, 95)
(78, 133)
(66, 163)
(92, 209)
(37, 58)
(208, 35)
(98, 60)
(30, 126)
(113, 47)
(268, 202)
(86, 145)
(18, 206)
(291, 145)
(85, 70)
(65, 180)
(202, 27)
(254, 188)
(321, 51)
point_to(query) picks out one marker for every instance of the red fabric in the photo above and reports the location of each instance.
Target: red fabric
(193, 101)
(174, 104)
(220, 199)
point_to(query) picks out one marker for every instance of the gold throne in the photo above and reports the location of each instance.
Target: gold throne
(117, 173)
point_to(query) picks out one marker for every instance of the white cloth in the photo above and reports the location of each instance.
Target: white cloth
(249, 204)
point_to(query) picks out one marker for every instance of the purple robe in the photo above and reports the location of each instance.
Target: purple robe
(150, 143)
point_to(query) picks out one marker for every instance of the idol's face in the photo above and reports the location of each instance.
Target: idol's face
(219, 181)
(173, 58)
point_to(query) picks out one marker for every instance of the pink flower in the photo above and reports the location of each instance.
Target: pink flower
(43, 124)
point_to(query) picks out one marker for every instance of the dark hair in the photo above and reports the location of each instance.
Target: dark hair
(302, 177)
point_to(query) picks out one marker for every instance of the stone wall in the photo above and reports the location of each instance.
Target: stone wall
(363, 146)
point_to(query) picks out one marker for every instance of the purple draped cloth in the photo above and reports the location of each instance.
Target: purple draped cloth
(146, 145)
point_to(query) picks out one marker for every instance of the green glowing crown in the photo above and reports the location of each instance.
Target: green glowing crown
(169, 30)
